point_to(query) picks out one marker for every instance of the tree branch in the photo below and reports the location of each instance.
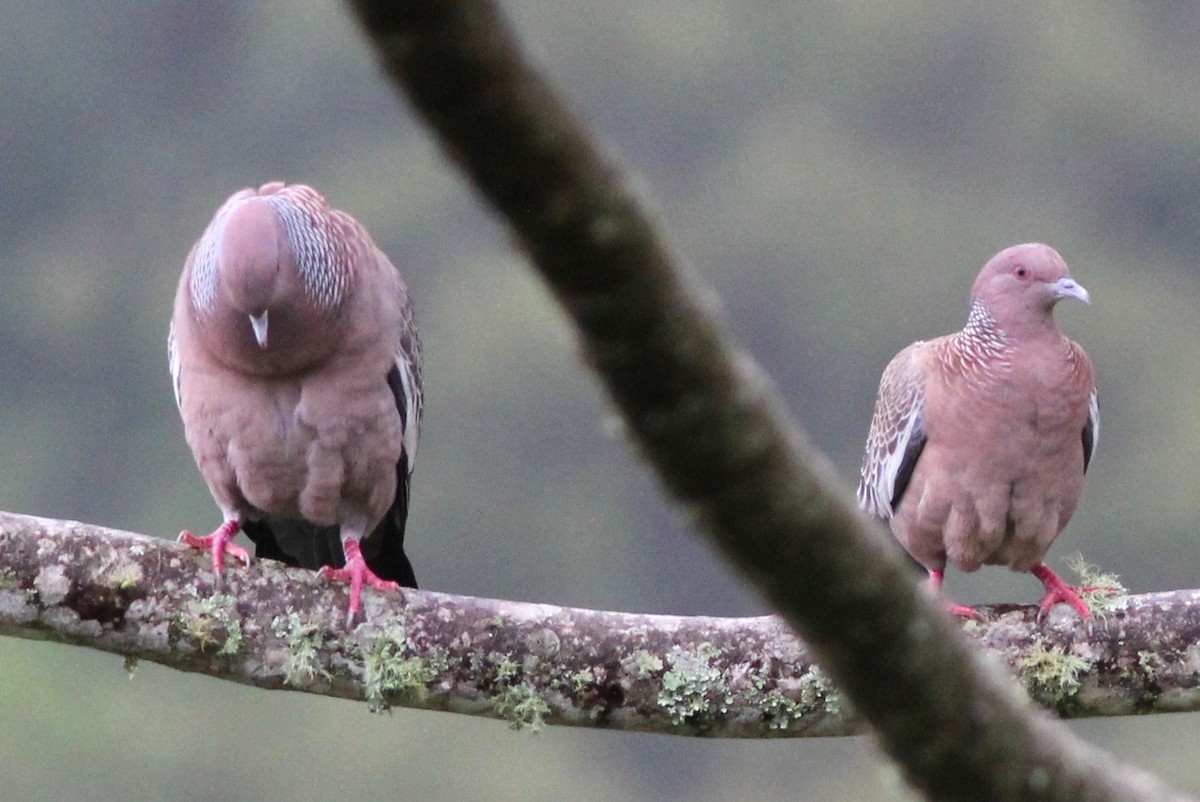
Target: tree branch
(276, 627)
(709, 422)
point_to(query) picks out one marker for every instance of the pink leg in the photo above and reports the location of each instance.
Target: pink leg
(357, 574)
(219, 543)
(1057, 591)
(960, 610)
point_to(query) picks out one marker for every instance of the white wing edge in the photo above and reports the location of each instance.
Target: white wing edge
(1094, 417)
(877, 480)
(173, 362)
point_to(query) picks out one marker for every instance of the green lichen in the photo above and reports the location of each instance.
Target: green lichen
(1051, 670)
(522, 707)
(582, 679)
(124, 576)
(302, 661)
(210, 623)
(646, 664)
(8, 578)
(574, 683)
(783, 702)
(692, 688)
(779, 710)
(1149, 662)
(818, 694)
(506, 669)
(1098, 589)
(392, 674)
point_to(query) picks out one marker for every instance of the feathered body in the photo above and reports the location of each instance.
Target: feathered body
(297, 372)
(980, 439)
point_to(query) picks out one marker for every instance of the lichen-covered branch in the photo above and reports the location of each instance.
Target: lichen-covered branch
(710, 423)
(534, 664)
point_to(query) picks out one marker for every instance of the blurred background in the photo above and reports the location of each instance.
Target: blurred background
(838, 173)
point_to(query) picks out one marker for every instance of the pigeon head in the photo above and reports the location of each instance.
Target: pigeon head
(269, 277)
(1020, 286)
(249, 270)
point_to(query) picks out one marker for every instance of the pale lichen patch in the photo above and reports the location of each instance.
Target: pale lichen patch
(645, 664)
(522, 707)
(817, 692)
(780, 710)
(1051, 670)
(543, 642)
(692, 687)
(301, 660)
(1150, 664)
(17, 606)
(392, 672)
(124, 575)
(52, 585)
(210, 623)
(1099, 590)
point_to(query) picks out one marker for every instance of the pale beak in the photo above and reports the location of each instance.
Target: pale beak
(259, 324)
(1063, 288)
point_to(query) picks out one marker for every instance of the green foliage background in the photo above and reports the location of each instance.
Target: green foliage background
(838, 171)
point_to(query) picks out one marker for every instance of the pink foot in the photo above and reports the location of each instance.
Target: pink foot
(1057, 591)
(219, 543)
(958, 610)
(963, 611)
(357, 574)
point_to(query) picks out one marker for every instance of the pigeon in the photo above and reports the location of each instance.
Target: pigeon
(980, 438)
(297, 372)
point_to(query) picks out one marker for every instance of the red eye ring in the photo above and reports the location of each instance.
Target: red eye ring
(1021, 272)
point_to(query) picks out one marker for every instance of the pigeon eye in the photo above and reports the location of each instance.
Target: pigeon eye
(1022, 272)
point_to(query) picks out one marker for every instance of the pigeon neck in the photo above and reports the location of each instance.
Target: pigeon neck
(980, 323)
(323, 258)
(1006, 323)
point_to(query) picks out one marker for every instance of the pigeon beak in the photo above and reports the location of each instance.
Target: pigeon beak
(259, 324)
(1063, 288)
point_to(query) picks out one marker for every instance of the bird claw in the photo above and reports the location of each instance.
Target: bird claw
(1059, 591)
(219, 543)
(358, 574)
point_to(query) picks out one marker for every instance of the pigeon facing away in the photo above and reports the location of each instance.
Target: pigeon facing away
(980, 438)
(297, 373)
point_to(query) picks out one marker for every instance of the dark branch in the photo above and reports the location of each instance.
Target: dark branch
(709, 421)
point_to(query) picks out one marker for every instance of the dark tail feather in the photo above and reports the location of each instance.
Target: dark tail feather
(295, 542)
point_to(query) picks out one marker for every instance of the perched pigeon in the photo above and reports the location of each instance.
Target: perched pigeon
(980, 438)
(297, 373)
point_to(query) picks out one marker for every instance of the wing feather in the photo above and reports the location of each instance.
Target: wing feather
(173, 362)
(897, 436)
(1091, 429)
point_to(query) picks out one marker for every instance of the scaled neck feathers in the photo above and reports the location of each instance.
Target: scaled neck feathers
(324, 243)
(982, 337)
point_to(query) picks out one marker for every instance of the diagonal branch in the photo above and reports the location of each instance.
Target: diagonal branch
(710, 423)
(274, 627)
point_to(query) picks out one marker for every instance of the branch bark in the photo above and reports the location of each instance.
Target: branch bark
(533, 664)
(709, 422)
